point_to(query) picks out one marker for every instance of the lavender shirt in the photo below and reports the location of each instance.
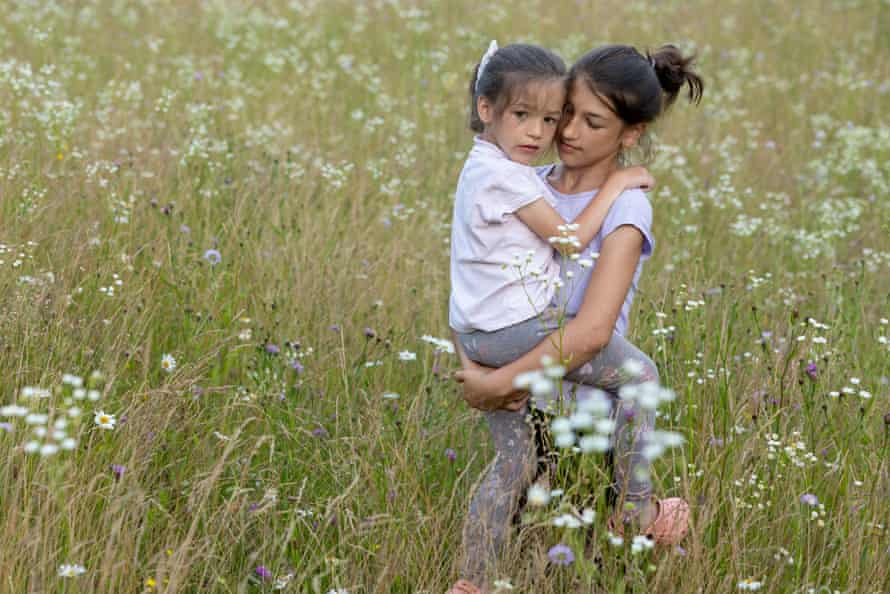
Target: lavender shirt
(631, 208)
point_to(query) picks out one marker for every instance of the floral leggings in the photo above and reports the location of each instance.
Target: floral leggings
(497, 496)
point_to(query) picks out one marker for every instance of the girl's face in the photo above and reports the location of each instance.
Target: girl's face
(590, 133)
(525, 128)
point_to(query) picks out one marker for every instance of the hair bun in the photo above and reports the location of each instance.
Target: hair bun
(673, 71)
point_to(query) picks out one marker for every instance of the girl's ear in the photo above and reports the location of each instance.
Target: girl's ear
(631, 135)
(485, 109)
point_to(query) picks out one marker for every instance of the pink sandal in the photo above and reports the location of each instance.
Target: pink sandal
(670, 525)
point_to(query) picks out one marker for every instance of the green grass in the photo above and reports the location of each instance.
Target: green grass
(316, 146)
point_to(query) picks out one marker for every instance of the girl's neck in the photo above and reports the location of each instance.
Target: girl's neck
(567, 180)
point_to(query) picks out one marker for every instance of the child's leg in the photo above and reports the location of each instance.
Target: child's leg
(633, 425)
(495, 500)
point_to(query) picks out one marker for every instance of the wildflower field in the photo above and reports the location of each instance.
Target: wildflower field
(224, 278)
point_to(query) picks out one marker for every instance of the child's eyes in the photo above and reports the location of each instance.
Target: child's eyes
(551, 121)
(520, 114)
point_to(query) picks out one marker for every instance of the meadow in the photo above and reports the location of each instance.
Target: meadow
(224, 267)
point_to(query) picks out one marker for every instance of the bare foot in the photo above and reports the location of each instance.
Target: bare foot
(464, 587)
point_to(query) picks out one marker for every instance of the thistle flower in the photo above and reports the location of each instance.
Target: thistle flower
(809, 499)
(213, 257)
(812, 371)
(262, 572)
(561, 555)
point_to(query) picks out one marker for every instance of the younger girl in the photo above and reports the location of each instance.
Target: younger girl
(501, 307)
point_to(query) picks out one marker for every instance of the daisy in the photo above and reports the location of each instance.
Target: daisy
(538, 496)
(71, 570)
(104, 420)
(168, 363)
(750, 584)
(407, 356)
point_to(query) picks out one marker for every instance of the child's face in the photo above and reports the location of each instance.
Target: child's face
(525, 128)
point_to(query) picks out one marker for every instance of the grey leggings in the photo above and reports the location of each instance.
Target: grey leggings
(496, 498)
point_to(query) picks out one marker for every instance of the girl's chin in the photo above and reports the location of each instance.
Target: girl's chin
(570, 158)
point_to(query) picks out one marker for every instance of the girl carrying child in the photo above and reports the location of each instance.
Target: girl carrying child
(504, 207)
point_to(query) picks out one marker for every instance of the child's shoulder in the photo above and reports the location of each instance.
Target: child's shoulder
(493, 170)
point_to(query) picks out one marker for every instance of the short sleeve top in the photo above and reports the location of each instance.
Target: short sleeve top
(630, 208)
(488, 290)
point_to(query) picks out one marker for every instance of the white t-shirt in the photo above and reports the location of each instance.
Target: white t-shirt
(487, 291)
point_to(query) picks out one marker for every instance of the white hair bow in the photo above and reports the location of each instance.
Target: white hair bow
(492, 48)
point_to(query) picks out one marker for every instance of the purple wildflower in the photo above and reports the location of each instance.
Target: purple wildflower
(253, 507)
(6, 426)
(809, 499)
(185, 229)
(272, 348)
(118, 470)
(561, 555)
(213, 256)
(812, 371)
(263, 572)
(335, 327)
(199, 75)
(297, 366)
(319, 432)
(450, 454)
(370, 333)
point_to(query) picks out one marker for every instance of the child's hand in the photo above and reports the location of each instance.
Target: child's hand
(635, 177)
(482, 392)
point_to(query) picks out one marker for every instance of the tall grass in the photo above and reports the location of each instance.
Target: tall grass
(315, 146)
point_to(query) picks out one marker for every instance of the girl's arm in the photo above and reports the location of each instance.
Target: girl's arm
(583, 336)
(543, 219)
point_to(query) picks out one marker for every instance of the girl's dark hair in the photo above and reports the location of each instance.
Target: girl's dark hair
(511, 67)
(638, 87)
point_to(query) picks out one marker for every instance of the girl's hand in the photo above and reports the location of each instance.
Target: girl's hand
(636, 177)
(483, 392)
